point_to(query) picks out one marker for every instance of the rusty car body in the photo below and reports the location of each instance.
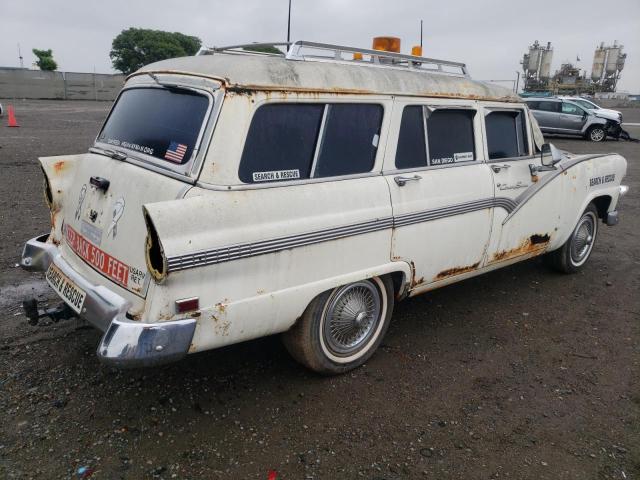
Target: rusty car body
(188, 245)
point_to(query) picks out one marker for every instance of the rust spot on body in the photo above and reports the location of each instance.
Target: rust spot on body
(456, 271)
(533, 244)
(59, 166)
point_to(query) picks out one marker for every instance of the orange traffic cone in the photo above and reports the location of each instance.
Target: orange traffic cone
(12, 117)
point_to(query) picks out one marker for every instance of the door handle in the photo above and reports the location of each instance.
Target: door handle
(497, 168)
(402, 181)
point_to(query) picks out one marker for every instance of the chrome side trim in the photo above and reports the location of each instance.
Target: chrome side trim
(252, 249)
(535, 188)
(244, 250)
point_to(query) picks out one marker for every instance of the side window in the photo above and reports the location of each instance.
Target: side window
(450, 134)
(350, 139)
(281, 142)
(412, 149)
(571, 109)
(533, 105)
(550, 106)
(506, 134)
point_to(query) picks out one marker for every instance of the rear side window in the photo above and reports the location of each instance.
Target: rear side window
(533, 105)
(506, 134)
(449, 134)
(281, 142)
(298, 141)
(350, 140)
(161, 122)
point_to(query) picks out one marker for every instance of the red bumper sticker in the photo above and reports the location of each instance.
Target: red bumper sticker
(112, 268)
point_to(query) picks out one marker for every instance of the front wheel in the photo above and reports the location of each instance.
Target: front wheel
(341, 328)
(597, 134)
(577, 249)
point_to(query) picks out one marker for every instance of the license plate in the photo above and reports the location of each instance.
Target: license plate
(69, 291)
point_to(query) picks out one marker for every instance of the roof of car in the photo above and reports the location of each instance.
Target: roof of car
(277, 73)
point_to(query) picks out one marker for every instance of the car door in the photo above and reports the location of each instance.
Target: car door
(523, 222)
(547, 114)
(572, 117)
(441, 189)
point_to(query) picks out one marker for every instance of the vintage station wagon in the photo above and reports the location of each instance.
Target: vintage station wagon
(234, 195)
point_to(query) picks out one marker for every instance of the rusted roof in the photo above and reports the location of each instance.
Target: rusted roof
(275, 73)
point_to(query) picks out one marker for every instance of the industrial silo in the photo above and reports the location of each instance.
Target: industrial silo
(612, 59)
(545, 64)
(598, 63)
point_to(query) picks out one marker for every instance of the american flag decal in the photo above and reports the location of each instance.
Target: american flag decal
(175, 152)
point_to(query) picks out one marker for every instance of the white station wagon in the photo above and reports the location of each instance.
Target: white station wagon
(234, 195)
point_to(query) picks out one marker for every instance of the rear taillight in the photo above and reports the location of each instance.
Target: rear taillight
(48, 195)
(154, 253)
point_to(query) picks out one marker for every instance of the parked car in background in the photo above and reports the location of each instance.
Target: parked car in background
(597, 109)
(561, 116)
(1, 110)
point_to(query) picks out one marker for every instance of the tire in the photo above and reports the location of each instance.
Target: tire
(597, 134)
(362, 310)
(575, 252)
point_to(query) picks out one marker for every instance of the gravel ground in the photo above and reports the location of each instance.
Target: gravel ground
(521, 373)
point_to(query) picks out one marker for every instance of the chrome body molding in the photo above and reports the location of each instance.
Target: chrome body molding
(252, 249)
(535, 188)
(125, 343)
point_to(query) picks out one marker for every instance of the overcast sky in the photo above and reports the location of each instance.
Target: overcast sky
(490, 36)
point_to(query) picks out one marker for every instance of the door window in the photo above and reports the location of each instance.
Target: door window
(412, 148)
(571, 109)
(446, 137)
(549, 107)
(506, 134)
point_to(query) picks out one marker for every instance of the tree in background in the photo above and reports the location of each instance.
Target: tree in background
(45, 59)
(136, 47)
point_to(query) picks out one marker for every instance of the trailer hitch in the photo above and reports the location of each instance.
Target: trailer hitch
(57, 313)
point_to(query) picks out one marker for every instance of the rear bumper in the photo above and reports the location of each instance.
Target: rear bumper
(125, 343)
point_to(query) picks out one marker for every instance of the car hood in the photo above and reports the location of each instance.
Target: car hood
(607, 114)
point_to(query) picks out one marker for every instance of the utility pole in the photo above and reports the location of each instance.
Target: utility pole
(289, 24)
(420, 34)
(20, 57)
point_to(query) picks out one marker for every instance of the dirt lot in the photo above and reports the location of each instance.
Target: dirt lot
(522, 373)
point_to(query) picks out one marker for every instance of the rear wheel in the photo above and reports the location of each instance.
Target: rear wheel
(597, 134)
(577, 249)
(341, 328)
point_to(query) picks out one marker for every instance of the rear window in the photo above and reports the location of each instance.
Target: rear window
(161, 122)
(292, 141)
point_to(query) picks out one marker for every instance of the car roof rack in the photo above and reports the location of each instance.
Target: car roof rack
(324, 52)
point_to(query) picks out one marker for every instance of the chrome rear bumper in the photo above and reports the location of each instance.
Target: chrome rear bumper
(125, 343)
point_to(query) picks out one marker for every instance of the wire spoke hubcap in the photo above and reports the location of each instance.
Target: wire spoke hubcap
(583, 237)
(351, 318)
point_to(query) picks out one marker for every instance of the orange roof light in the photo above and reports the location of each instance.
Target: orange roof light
(416, 51)
(357, 56)
(387, 44)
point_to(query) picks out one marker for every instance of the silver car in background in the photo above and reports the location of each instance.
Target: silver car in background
(594, 107)
(566, 117)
